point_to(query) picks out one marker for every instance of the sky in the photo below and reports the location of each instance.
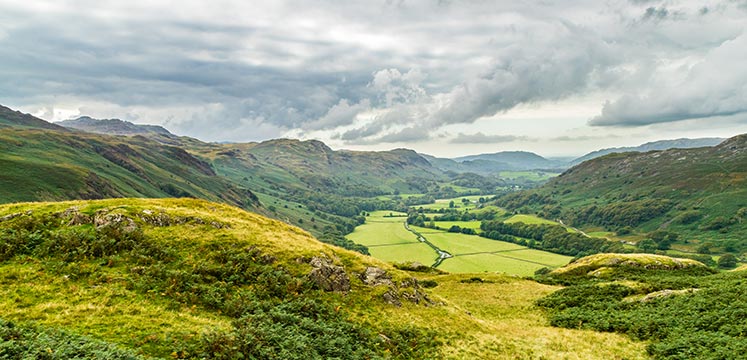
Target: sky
(448, 78)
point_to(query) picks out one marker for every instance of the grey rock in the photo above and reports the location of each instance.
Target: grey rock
(327, 276)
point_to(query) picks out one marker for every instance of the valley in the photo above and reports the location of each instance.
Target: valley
(272, 247)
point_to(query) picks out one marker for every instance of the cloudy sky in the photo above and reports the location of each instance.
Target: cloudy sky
(444, 77)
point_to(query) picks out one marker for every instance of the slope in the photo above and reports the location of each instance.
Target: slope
(699, 193)
(651, 146)
(45, 164)
(113, 127)
(186, 278)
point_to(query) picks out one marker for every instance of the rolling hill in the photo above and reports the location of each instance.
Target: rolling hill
(511, 160)
(699, 193)
(302, 182)
(650, 146)
(113, 127)
(187, 278)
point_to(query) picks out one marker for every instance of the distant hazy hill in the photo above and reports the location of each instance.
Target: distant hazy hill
(113, 127)
(655, 145)
(700, 192)
(492, 164)
(513, 160)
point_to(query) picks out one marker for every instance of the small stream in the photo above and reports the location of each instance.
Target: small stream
(442, 255)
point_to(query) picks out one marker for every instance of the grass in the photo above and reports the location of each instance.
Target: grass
(444, 203)
(462, 224)
(534, 176)
(388, 240)
(477, 254)
(102, 299)
(498, 320)
(529, 220)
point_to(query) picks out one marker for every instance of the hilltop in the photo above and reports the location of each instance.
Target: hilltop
(512, 160)
(186, 278)
(113, 127)
(651, 146)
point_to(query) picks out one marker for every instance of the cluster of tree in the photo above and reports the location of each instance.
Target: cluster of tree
(516, 200)
(619, 214)
(553, 238)
(486, 185)
(459, 229)
(658, 240)
(466, 216)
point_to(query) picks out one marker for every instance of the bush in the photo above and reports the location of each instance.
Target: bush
(727, 261)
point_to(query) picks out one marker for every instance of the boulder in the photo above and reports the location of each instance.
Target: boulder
(327, 276)
(374, 276)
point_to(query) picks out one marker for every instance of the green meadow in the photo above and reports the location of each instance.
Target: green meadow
(388, 239)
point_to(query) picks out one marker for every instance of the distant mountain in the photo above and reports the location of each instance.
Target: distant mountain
(13, 118)
(512, 160)
(655, 145)
(113, 127)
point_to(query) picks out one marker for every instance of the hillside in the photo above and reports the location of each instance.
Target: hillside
(699, 194)
(48, 163)
(651, 146)
(303, 183)
(11, 118)
(113, 127)
(185, 278)
(314, 166)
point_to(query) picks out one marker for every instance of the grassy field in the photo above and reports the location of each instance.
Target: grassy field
(444, 203)
(462, 224)
(388, 240)
(477, 254)
(527, 175)
(530, 220)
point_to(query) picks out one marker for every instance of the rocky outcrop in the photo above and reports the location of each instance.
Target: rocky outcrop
(406, 290)
(374, 276)
(327, 276)
(161, 219)
(104, 219)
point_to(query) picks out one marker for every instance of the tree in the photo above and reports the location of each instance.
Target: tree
(451, 204)
(647, 245)
(727, 261)
(704, 248)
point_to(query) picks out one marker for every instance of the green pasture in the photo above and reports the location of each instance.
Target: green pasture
(489, 263)
(462, 224)
(529, 220)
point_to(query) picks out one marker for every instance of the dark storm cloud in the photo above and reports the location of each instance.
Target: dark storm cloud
(391, 71)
